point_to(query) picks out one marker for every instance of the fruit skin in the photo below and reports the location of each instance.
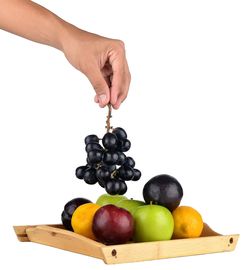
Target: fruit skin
(120, 133)
(110, 158)
(106, 199)
(112, 187)
(91, 139)
(113, 225)
(103, 173)
(71, 205)
(129, 161)
(163, 190)
(124, 145)
(111, 168)
(101, 183)
(80, 171)
(121, 158)
(126, 173)
(93, 146)
(69, 209)
(123, 187)
(110, 141)
(66, 221)
(153, 223)
(82, 219)
(137, 175)
(115, 186)
(89, 176)
(188, 222)
(95, 156)
(130, 205)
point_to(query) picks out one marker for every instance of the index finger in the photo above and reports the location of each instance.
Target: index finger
(118, 78)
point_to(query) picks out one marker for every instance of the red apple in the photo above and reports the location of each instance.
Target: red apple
(113, 225)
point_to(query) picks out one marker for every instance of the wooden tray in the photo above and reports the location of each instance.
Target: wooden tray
(57, 236)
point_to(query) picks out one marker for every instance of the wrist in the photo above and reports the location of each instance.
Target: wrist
(65, 34)
(60, 31)
(71, 36)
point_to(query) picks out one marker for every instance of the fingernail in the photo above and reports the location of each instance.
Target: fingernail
(116, 106)
(96, 99)
(114, 100)
(102, 98)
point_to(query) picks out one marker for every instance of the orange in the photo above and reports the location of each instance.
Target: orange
(188, 222)
(82, 219)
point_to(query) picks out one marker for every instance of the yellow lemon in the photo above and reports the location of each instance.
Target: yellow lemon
(82, 219)
(188, 222)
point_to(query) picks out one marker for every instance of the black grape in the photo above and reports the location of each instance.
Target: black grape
(126, 173)
(91, 139)
(111, 168)
(112, 187)
(80, 171)
(110, 158)
(123, 188)
(95, 156)
(129, 162)
(124, 145)
(90, 176)
(93, 146)
(103, 173)
(110, 141)
(120, 133)
(121, 158)
(101, 183)
(137, 175)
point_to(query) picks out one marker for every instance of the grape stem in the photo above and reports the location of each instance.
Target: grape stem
(108, 126)
(113, 174)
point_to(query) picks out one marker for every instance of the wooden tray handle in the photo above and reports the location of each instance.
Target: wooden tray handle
(56, 236)
(21, 231)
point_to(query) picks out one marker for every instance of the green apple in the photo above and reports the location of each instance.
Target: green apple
(153, 223)
(109, 199)
(130, 205)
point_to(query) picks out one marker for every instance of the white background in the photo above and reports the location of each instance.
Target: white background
(187, 115)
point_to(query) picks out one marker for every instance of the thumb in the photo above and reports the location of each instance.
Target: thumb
(100, 86)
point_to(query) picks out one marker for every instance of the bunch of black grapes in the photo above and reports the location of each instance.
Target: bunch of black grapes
(107, 164)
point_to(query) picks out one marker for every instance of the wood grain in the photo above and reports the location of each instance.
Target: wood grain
(168, 249)
(56, 236)
(21, 231)
(66, 240)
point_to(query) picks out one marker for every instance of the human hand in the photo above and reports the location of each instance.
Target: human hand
(102, 60)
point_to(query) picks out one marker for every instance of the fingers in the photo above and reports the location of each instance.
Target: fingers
(96, 99)
(123, 95)
(100, 86)
(121, 77)
(108, 73)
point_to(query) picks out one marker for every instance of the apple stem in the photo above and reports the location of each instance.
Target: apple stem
(108, 126)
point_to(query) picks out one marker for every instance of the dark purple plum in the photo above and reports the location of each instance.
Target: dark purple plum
(164, 190)
(69, 209)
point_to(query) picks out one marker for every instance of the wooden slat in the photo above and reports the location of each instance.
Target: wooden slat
(66, 240)
(207, 231)
(56, 236)
(168, 249)
(21, 231)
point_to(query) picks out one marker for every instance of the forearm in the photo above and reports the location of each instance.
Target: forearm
(32, 21)
(102, 60)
